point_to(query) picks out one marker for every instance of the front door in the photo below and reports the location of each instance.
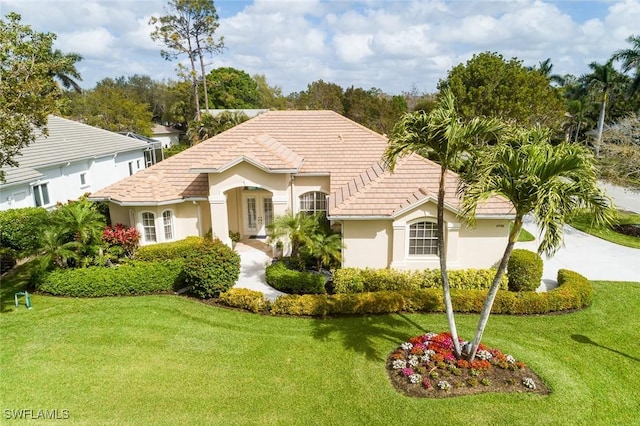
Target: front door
(258, 213)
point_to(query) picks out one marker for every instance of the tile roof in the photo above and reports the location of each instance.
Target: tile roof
(67, 141)
(314, 142)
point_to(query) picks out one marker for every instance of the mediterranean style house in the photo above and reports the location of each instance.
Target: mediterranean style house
(72, 160)
(308, 161)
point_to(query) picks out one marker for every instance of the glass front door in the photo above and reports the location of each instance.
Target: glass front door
(258, 213)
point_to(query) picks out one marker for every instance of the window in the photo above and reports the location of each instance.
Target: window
(423, 238)
(130, 168)
(313, 202)
(138, 164)
(167, 222)
(149, 227)
(83, 179)
(41, 195)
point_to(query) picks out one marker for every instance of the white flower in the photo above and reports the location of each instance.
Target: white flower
(429, 352)
(425, 358)
(407, 346)
(444, 385)
(415, 378)
(399, 363)
(413, 361)
(529, 383)
(511, 359)
(430, 336)
(484, 355)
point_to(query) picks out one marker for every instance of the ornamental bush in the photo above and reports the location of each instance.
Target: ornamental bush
(524, 270)
(280, 277)
(133, 278)
(7, 259)
(244, 298)
(211, 268)
(355, 280)
(172, 250)
(20, 228)
(574, 292)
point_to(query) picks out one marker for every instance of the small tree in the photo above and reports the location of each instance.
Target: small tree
(549, 182)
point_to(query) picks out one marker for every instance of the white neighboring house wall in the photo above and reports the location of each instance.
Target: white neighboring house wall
(167, 136)
(44, 177)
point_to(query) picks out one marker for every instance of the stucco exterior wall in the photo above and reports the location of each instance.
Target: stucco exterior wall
(367, 243)
(304, 184)
(483, 245)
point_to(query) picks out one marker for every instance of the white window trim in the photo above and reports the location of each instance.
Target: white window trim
(37, 186)
(326, 202)
(408, 239)
(172, 224)
(86, 183)
(143, 229)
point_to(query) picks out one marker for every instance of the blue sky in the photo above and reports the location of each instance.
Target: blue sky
(388, 44)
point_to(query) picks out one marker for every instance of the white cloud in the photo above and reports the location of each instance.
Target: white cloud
(389, 44)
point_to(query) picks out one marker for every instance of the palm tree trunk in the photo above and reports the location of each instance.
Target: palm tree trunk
(495, 285)
(577, 132)
(442, 254)
(601, 122)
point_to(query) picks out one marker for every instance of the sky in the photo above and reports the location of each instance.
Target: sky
(395, 45)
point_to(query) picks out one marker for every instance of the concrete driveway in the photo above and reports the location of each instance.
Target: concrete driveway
(590, 256)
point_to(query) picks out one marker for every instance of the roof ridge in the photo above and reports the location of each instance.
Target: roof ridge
(280, 150)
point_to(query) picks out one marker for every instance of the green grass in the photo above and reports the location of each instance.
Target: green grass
(525, 236)
(582, 221)
(171, 360)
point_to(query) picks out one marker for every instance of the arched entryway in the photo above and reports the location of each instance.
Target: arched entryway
(249, 211)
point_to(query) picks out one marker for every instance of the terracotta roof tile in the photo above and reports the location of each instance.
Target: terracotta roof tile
(322, 142)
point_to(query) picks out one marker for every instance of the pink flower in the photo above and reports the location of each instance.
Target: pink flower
(407, 371)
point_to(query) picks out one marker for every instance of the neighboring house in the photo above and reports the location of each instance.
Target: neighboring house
(167, 136)
(154, 154)
(72, 160)
(308, 161)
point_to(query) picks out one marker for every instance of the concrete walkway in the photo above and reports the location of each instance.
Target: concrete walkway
(254, 257)
(590, 256)
(623, 198)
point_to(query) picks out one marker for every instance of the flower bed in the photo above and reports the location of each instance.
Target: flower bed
(425, 366)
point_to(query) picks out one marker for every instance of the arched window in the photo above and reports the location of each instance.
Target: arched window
(313, 202)
(423, 238)
(149, 227)
(167, 223)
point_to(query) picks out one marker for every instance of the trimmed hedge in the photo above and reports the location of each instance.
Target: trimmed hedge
(211, 269)
(7, 259)
(574, 292)
(355, 280)
(244, 298)
(133, 278)
(294, 282)
(20, 228)
(165, 251)
(524, 270)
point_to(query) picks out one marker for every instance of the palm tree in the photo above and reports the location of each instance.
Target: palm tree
(545, 68)
(325, 248)
(631, 59)
(63, 69)
(603, 78)
(84, 225)
(55, 250)
(444, 136)
(549, 182)
(297, 228)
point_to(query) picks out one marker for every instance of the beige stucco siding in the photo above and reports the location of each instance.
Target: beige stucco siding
(483, 245)
(367, 243)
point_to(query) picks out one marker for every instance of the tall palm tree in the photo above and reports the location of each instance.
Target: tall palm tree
(546, 68)
(63, 69)
(546, 181)
(631, 59)
(603, 78)
(443, 135)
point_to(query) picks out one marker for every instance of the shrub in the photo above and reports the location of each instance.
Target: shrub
(122, 237)
(133, 278)
(165, 251)
(355, 280)
(211, 269)
(7, 259)
(20, 228)
(524, 270)
(280, 277)
(244, 298)
(574, 292)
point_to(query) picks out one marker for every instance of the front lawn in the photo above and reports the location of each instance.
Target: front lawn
(172, 360)
(582, 221)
